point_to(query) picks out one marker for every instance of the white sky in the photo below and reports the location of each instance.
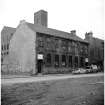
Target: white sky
(65, 15)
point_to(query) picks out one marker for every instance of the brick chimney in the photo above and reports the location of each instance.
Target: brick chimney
(88, 35)
(73, 32)
(40, 18)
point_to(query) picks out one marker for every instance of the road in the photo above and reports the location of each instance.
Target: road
(28, 79)
(65, 89)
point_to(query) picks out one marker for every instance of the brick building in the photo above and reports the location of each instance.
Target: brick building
(34, 48)
(96, 49)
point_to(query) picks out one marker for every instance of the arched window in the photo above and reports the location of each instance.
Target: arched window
(81, 61)
(64, 60)
(70, 61)
(56, 60)
(48, 59)
(76, 61)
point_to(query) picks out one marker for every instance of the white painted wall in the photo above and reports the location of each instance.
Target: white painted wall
(22, 50)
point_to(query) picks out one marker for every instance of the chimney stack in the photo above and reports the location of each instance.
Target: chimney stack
(73, 32)
(89, 35)
(40, 18)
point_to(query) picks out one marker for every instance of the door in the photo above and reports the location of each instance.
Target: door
(39, 65)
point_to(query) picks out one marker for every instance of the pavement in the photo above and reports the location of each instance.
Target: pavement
(40, 78)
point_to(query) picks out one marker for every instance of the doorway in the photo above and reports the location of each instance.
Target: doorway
(39, 65)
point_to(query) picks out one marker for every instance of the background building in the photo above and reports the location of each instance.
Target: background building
(6, 35)
(96, 49)
(34, 48)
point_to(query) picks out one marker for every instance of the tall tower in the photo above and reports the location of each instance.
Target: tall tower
(40, 18)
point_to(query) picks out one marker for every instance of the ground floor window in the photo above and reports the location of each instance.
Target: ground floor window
(63, 60)
(81, 61)
(56, 60)
(48, 59)
(76, 61)
(70, 61)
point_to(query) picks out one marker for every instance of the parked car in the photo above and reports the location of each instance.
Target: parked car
(91, 69)
(79, 71)
(95, 68)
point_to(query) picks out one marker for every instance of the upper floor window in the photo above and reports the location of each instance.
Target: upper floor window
(40, 42)
(56, 44)
(7, 46)
(48, 43)
(64, 45)
(2, 47)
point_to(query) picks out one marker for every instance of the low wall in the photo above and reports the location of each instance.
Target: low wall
(52, 70)
(16, 70)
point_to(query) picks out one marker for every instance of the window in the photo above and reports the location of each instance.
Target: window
(70, 61)
(76, 61)
(81, 61)
(2, 47)
(56, 44)
(56, 60)
(48, 43)
(64, 45)
(37, 20)
(48, 59)
(64, 60)
(7, 46)
(40, 42)
(7, 53)
(1, 59)
(69, 47)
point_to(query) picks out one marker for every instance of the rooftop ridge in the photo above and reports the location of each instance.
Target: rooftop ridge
(55, 32)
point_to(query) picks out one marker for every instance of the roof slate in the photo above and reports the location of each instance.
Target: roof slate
(8, 30)
(54, 32)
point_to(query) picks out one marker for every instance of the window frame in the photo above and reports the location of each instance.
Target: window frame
(55, 60)
(63, 60)
(70, 61)
(48, 63)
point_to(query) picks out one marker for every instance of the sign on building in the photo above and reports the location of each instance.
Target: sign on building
(40, 56)
(86, 59)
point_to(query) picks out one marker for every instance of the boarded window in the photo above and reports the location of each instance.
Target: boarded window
(56, 60)
(64, 60)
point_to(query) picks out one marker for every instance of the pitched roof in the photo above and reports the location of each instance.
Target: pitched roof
(8, 30)
(7, 33)
(54, 32)
(98, 39)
